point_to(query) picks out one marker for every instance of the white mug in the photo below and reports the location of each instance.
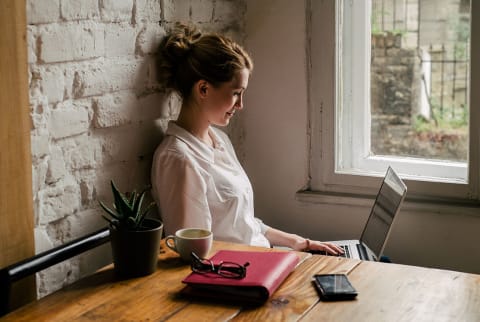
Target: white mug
(190, 240)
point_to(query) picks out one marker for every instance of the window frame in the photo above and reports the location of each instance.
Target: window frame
(324, 177)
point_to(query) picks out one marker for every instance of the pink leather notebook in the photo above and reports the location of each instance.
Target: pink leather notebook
(265, 273)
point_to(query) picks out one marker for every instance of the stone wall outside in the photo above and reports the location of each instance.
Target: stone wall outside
(395, 104)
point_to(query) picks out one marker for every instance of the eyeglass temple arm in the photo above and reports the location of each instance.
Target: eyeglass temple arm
(195, 256)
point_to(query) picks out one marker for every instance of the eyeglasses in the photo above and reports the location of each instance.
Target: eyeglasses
(224, 269)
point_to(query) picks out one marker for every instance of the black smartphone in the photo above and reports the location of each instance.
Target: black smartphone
(334, 287)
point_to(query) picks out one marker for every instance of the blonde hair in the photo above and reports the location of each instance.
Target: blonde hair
(186, 55)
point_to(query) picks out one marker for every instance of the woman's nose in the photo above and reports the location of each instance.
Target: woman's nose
(239, 102)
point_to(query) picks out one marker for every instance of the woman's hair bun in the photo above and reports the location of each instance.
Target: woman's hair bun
(173, 51)
(181, 41)
(186, 56)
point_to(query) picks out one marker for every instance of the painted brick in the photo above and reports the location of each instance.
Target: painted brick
(121, 146)
(119, 40)
(58, 201)
(52, 83)
(150, 65)
(88, 220)
(68, 119)
(69, 77)
(115, 11)
(201, 10)
(175, 103)
(84, 157)
(73, 41)
(40, 146)
(153, 106)
(87, 180)
(56, 277)
(42, 241)
(188, 10)
(108, 76)
(177, 10)
(43, 11)
(31, 45)
(149, 39)
(75, 9)
(56, 166)
(166, 11)
(114, 110)
(147, 11)
(131, 144)
(229, 10)
(122, 174)
(39, 174)
(151, 138)
(161, 125)
(39, 109)
(79, 152)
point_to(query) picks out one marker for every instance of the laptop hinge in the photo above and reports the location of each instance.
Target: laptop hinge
(362, 252)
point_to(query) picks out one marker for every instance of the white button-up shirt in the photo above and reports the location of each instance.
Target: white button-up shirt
(196, 185)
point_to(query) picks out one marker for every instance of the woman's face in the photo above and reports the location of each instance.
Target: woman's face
(223, 101)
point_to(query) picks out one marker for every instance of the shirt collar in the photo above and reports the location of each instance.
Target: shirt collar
(198, 146)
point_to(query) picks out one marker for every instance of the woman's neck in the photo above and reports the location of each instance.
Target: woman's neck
(193, 122)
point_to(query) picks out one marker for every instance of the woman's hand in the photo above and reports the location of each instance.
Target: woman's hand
(329, 248)
(298, 243)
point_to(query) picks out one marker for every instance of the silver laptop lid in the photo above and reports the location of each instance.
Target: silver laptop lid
(386, 206)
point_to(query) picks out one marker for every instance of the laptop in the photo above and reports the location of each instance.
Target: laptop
(379, 224)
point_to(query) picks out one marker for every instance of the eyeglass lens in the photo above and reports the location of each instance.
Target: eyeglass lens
(224, 269)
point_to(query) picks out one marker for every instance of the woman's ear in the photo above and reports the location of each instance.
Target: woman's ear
(201, 87)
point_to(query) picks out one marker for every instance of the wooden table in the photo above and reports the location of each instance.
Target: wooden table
(387, 292)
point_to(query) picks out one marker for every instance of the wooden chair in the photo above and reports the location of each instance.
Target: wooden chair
(34, 264)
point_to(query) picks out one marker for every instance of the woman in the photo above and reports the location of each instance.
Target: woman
(196, 178)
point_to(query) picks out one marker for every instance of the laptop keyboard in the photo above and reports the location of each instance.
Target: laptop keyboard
(346, 252)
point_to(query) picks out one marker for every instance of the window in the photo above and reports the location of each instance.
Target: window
(350, 147)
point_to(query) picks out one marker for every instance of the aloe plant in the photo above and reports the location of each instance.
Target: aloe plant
(126, 211)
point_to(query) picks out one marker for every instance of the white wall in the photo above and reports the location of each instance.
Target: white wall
(275, 150)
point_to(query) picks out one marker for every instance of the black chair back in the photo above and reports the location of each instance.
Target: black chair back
(34, 264)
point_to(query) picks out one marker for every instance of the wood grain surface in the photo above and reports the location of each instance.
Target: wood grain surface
(387, 292)
(16, 202)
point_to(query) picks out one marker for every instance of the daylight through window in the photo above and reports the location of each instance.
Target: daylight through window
(403, 94)
(419, 78)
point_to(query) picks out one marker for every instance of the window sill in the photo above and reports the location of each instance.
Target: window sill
(411, 203)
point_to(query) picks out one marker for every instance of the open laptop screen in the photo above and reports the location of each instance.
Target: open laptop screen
(387, 203)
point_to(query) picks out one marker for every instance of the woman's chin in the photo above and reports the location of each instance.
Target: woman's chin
(223, 122)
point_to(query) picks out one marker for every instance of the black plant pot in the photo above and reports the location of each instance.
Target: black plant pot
(135, 253)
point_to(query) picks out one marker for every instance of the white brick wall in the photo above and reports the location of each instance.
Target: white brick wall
(43, 11)
(97, 112)
(77, 10)
(68, 119)
(72, 41)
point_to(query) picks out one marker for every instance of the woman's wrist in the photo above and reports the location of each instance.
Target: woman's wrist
(279, 238)
(307, 245)
(301, 244)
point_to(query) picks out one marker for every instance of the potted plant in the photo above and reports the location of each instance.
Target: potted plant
(135, 239)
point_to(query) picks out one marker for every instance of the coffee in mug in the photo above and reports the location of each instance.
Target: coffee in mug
(188, 240)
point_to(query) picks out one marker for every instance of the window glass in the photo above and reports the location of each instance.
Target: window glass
(419, 78)
(354, 138)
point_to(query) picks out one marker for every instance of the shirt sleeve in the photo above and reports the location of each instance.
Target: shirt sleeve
(181, 193)
(263, 227)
